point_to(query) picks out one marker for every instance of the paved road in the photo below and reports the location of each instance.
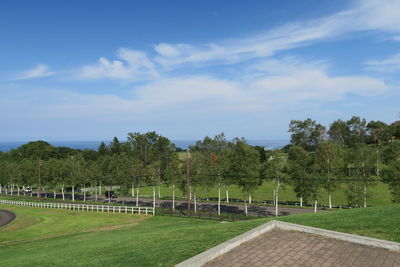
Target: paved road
(6, 217)
(253, 210)
(289, 248)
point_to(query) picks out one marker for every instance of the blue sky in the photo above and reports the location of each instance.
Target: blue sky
(91, 70)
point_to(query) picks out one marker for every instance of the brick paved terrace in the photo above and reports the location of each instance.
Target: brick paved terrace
(290, 248)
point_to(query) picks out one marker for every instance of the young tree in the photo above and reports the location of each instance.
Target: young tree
(244, 165)
(302, 178)
(329, 164)
(379, 132)
(307, 134)
(276, 171)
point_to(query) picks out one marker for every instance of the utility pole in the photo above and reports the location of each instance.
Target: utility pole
(188, 180)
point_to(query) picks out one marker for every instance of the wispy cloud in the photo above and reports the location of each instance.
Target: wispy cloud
(363, 15)
(39, 71)
(390, 64)
(131, 65)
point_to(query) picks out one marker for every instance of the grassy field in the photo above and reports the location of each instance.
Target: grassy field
(380, 222)
(380, 194)
(49, 237)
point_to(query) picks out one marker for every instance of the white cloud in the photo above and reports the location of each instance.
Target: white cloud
(390, 64)
(132, 65)
(39, 71)
(371, 15)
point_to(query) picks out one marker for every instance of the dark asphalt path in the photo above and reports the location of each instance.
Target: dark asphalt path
(230, 208)
(6, 217)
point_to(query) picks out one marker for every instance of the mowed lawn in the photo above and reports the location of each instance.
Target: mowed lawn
(49, 237)
(382, 222)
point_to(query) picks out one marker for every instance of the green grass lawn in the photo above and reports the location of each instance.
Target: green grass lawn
(382, 222)
(380, 194)
(49, 237)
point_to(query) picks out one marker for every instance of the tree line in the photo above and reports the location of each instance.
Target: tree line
(353, 154)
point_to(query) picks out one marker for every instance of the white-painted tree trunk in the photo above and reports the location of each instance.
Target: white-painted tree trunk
(227, 194)
(245, 205)
(1, 189)
(6, 190)
(84, 193)
(219, 199)
(159, 192)
(95, 194)
(62, 192)
(365, 195)
(133, 190)
(250, 199)
(18, 189)
(173, 196)
(11, 190)
(54, 193)
(31, 190)
(23, 190)
(274, 196)
(277, 199)
(73, 193)
(315, 206)
(137, 197)
(330, 199)
(154, 197)
(100, 189)
(301, 202)
(45, 192)
(190, 193)
(195, 202)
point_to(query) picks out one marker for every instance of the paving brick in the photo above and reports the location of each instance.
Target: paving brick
(289, 248)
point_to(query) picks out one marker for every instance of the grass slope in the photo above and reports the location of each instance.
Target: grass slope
(380, 222)
(152, 241)
(50, 237)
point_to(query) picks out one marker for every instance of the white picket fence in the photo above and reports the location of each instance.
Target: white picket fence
(83, 207)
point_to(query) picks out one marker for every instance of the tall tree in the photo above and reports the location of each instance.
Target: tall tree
(244, 165)
(329, 165)
(276, 171)
(307, 134)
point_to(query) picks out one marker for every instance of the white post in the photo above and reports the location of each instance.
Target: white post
(84, 193)
(18, 189)
(227, 194)
(301, 202)
(73, 193)
(133, 190)
(62, 192)
(249, 198)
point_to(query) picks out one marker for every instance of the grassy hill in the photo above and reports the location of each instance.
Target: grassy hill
(49, 237)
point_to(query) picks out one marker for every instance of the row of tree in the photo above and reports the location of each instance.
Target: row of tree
(351, 154)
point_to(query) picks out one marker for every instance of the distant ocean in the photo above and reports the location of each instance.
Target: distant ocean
(184, 144)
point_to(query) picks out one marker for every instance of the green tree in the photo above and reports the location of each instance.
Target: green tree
(244, 165)
(329, 165)
(307, 134)
(276, 171)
